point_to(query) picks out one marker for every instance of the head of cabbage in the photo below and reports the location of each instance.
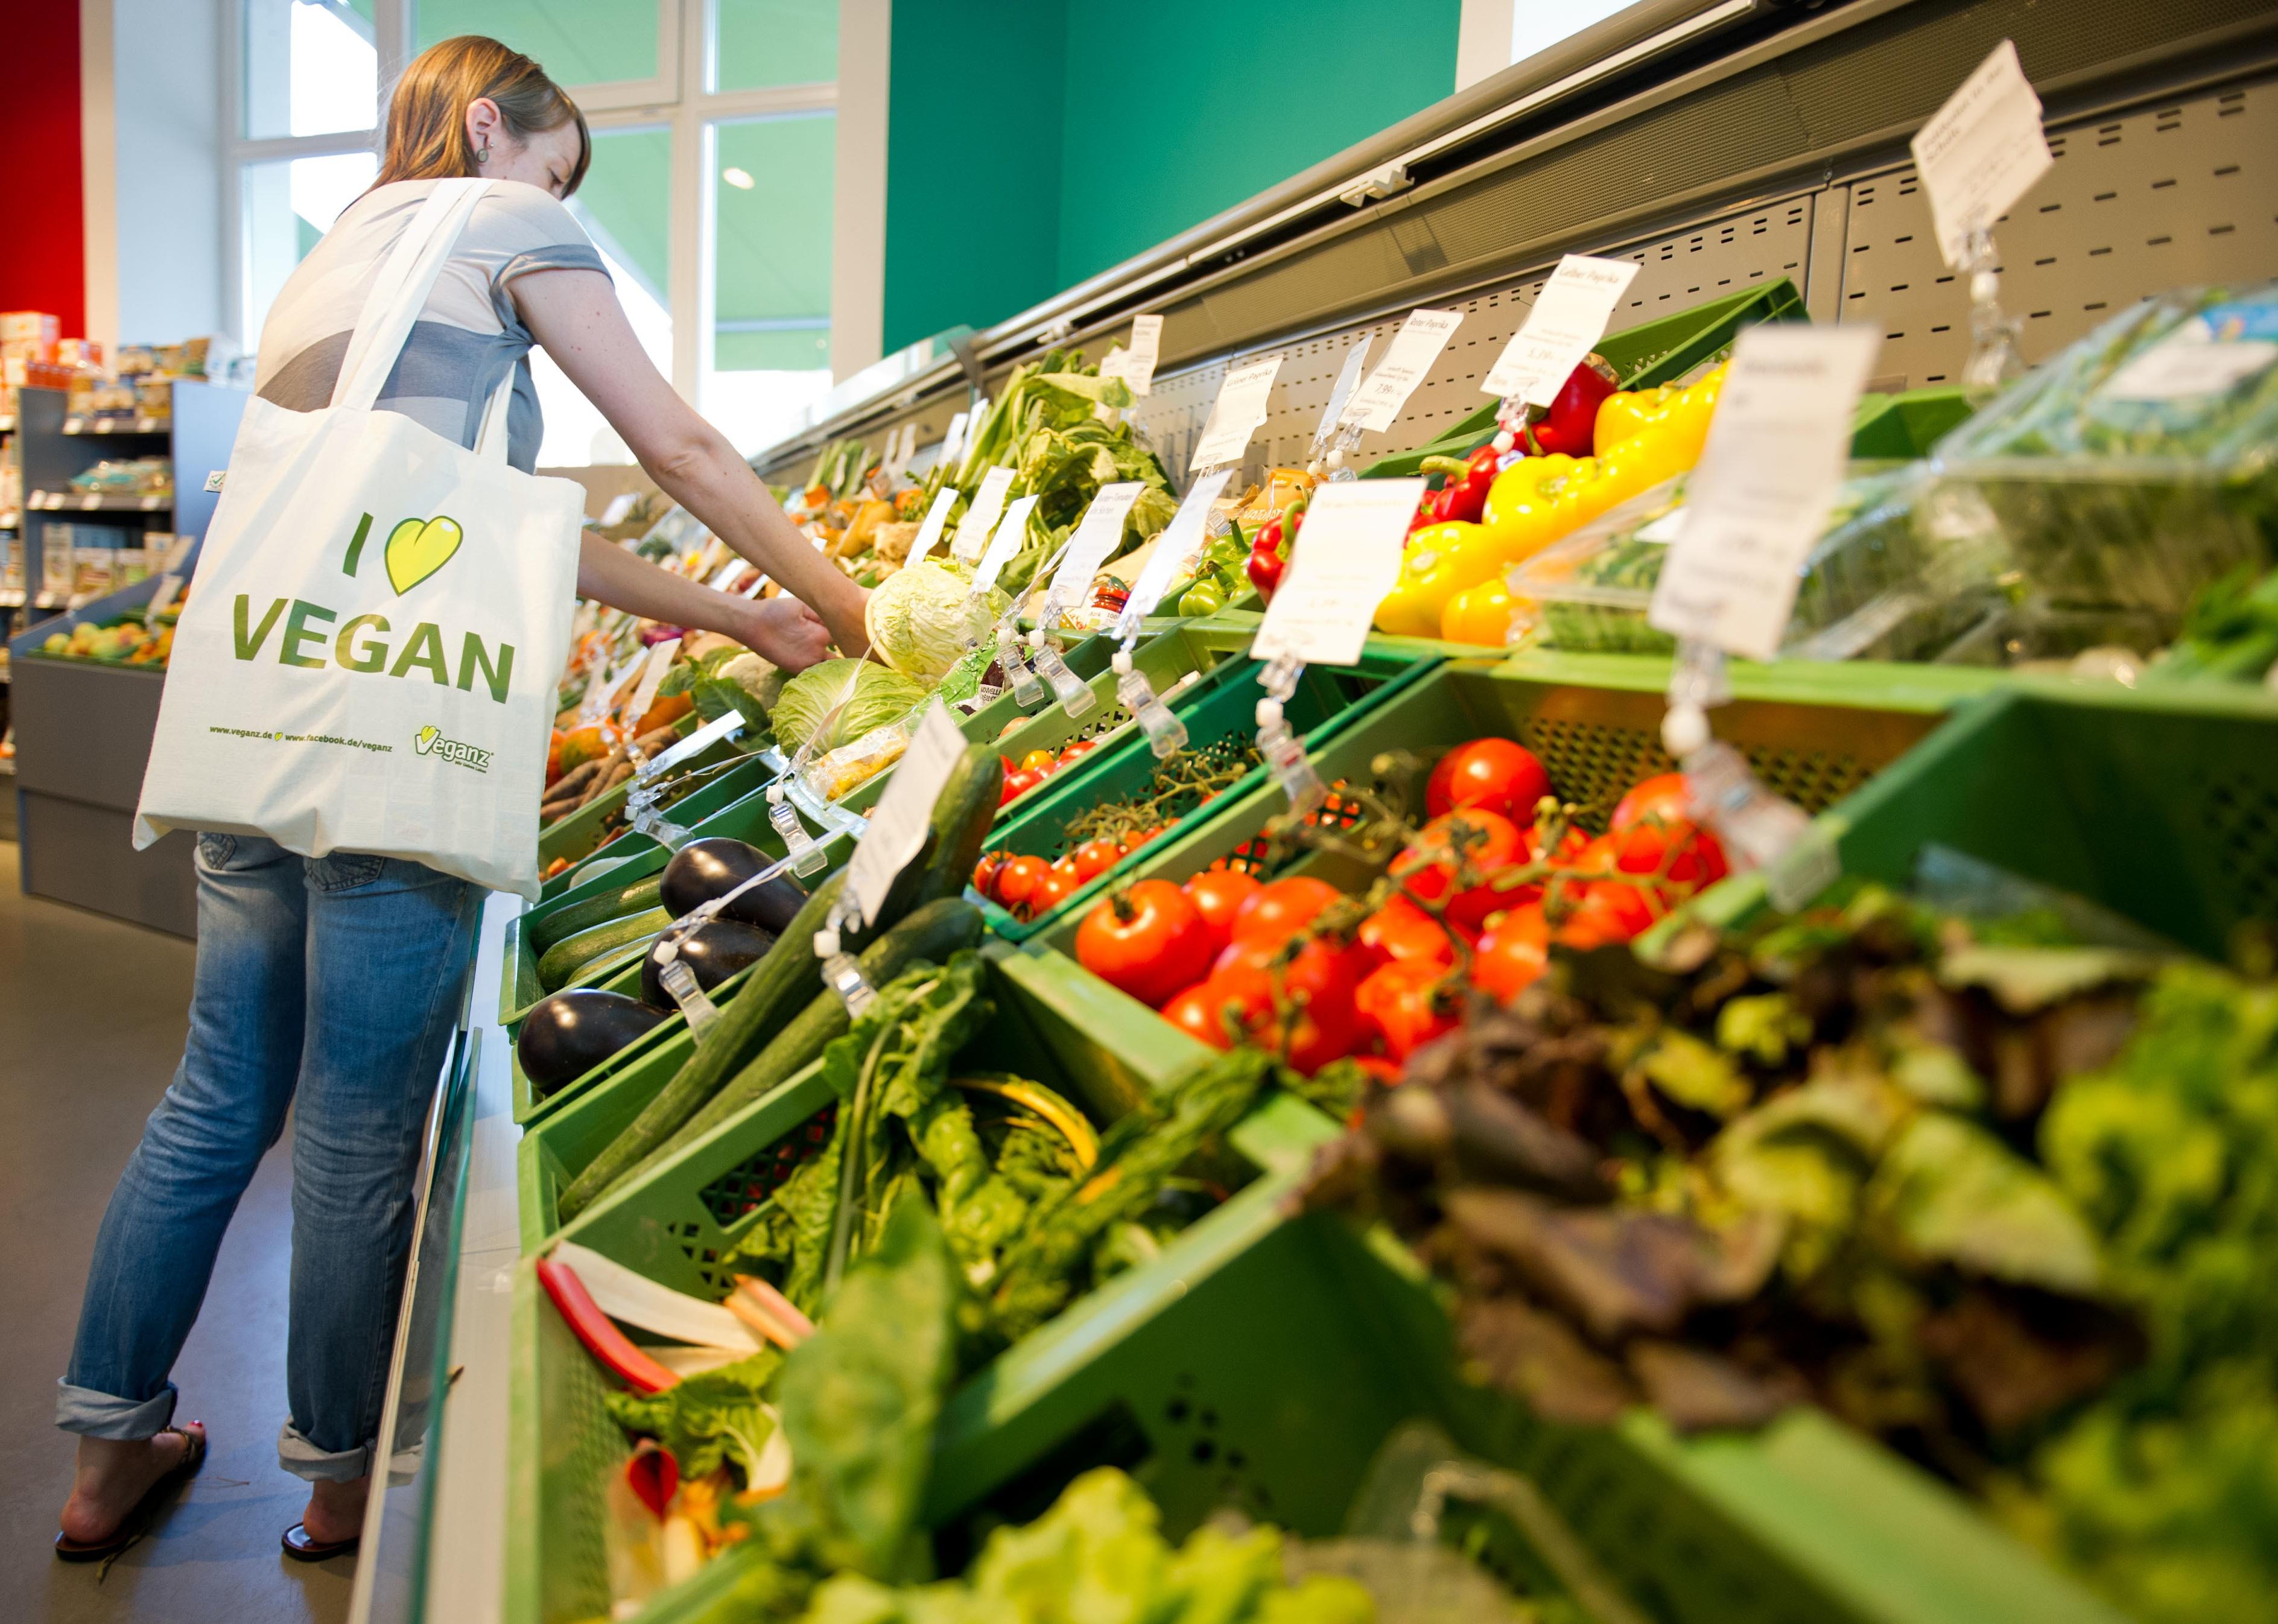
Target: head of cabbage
(922, 619)
(880, 696)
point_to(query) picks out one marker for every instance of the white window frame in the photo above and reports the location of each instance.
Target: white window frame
(678, 98)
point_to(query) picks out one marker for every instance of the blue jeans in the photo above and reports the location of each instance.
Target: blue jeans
(333, 985)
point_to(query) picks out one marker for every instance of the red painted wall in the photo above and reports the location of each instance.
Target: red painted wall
(43, 262)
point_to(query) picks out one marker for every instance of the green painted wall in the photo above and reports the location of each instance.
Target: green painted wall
(1068, 135)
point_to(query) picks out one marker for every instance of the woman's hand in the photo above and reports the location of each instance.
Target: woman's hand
(783, 631)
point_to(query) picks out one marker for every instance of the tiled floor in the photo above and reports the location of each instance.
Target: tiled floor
(91, 1019)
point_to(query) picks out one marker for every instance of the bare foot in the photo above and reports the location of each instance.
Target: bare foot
(335, 1511)
(113, 1476)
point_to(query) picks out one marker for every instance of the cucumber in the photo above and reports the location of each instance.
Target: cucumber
(566, 958)
(788, 979)
(931, 932)
(564, 923)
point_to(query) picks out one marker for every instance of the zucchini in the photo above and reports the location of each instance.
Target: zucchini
(931, 932)
(566, 958)
(787, 980)
(564, 923)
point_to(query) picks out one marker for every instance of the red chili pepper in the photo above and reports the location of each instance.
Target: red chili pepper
(653, 1476)
(598, 1332)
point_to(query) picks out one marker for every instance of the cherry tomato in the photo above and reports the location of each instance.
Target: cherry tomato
(1019, 783)
(1075, 747)
(1512, 953)
(1277, 911)
(1094, 858)
(1218, 894)
(1196, 1012)
(985, 872)
(1409, 1004)
(1493, 773)
(1147, 939)
(1039, 760)
(1611, 911)
(1065, 867)
(1403, 932)
(1018, 879)
(1493, 843)
(1693, 857)
(1661, 796)
(1058, 885)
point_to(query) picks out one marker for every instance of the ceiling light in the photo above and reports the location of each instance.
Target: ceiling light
(740, 179)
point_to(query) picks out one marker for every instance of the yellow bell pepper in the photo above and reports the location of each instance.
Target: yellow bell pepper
(1441, 560)
(1482, 614)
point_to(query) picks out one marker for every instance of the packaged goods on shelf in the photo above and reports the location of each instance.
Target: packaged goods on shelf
(133, 476)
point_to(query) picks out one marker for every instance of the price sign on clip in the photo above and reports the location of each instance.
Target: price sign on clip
(659, 660)
(973, 530)
(929, 528)
(1235, 417)
(1178, 541)
(898, 828)
(1345, 560)
(1982, 151)
(1348, 381)
(1768, 476)
(953, 441)
(1004, 543)
(1566, 325)
(1135, 366)
(1096, 532)
(1376, 402)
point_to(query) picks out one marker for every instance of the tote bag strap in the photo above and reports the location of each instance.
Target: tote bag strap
(399, 290)
(489, 440)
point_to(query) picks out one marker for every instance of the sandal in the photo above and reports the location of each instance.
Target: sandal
(300, 1547)
(131, 1525)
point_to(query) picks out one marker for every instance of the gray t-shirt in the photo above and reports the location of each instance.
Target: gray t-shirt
(466, 338)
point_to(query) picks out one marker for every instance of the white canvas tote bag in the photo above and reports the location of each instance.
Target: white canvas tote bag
(368, 657)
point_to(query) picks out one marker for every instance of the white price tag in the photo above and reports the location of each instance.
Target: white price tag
(1982, 151)
(1237, 413)
(620, 504)
(1178, 542)
(1004, 543)
(898, 827)
(1564, 326)
(659, 660)
(974, 529)
(1346, 558)
(929, 527)
(1768, 476)
(1348, 381)
(1135, 366)
(1095, 537)
(901, 445)
(599, 701)
(1376, 402)
(953, 443)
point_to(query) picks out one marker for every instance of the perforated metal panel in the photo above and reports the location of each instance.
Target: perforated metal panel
(2176, 195)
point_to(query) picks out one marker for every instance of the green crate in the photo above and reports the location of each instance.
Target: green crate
(1222, 713)
(1904, 428)
(1813, 734)
(674, 1222)
(580, 834)
(2162, 807)
(1654, 352)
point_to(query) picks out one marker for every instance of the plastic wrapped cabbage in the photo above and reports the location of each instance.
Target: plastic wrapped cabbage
(922, 620)
(880, 696)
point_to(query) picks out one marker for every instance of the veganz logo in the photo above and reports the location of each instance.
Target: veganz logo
(430, 741)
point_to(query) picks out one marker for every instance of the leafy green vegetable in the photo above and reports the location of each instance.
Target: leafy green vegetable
(706, 1420)
(922, 619)
(880, 696)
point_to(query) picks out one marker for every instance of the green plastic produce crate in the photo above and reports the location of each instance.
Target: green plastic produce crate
(1814, 734)
(2161, 806)
(583, 837)
(1654, 352)
(1906, 427)
(1221, 717)
(673, 1225)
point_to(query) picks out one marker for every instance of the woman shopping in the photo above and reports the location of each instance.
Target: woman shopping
(330, 985)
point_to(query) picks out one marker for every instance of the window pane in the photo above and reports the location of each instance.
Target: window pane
(771, 262)
(288, 205)
(576, 41)
(311, 67)
(757, 44)
(626, 206)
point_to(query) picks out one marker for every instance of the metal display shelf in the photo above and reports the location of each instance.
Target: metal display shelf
(1715, 146)
(97, 502)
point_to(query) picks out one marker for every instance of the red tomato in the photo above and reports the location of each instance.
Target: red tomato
(1661, 796)
(1196, 1012)
(1693, 856)
(1075, 747)
(1019, 783)
(1512, 953)
(985, 872)
(1325, 1027)
(1094, 857)
(1428, 866)
(1321, 977)
(1402, 931)
(1146, 939)
(1218, 894)
(1611, 911)
(1055, 887)
(1494, 773)
(1277, 911)
(1018, 879)
(1407, 1005)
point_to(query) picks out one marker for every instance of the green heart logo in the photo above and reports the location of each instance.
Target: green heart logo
(425, 739)
(418, 547)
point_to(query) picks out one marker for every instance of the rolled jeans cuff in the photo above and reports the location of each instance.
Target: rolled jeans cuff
(99, 1415)
(303, 1459)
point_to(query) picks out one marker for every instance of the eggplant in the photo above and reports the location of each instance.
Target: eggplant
(705, 870)
(566, 1036)
(713, 951)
